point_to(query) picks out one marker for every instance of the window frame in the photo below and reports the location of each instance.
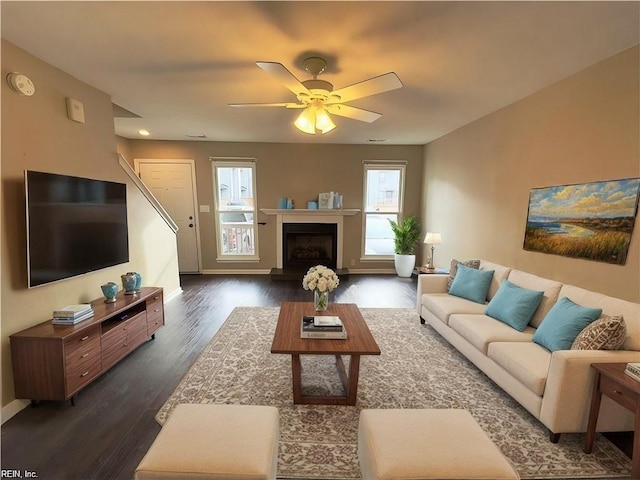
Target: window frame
(391, 165)
(234, 162)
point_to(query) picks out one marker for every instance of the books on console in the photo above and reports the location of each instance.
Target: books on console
(322, 327)
(633, 370)
(72, 314)
(72, 311)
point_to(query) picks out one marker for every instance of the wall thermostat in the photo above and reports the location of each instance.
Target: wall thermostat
(21, 84)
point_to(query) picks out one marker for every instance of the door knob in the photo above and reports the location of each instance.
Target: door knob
(191, 225)
(190, 217)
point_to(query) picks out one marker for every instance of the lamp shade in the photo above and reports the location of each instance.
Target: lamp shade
(433, 238)
(306, 121)
(323, 121)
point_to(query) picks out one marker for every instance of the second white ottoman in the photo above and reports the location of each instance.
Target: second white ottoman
(214, 442)
(427, 444)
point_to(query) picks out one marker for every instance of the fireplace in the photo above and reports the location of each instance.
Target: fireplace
(300, 219)
(307, 244)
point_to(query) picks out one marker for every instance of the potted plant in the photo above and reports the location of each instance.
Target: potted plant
(406, 235)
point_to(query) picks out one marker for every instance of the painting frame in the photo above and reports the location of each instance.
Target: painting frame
(593, 221)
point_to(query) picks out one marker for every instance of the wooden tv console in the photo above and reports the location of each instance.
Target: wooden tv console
(54, 362)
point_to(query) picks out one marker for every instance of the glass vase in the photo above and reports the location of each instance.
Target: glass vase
(320, 300)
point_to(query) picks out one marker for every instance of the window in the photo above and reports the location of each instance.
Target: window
(383, 195)
(234, 183)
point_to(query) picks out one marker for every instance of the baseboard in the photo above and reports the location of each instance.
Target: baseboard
(376, 271)
(176, 293)
(247, 271)
(12, 408)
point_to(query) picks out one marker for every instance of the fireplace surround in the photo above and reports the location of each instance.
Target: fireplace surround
(300, 217)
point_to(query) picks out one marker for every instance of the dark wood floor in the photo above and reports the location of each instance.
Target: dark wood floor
(105, 435)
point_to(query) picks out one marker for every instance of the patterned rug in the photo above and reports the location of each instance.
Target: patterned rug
(417, 369)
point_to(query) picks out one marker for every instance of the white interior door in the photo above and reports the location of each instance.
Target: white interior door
(173, 186)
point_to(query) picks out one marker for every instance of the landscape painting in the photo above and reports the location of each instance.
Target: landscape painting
(589, 220)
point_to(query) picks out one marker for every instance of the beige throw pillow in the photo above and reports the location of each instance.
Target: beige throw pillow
(454, 268)
(606, 333)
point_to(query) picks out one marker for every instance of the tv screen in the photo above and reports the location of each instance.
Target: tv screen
(74, 226)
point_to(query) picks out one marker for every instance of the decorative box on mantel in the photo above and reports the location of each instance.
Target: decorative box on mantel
(299, 216)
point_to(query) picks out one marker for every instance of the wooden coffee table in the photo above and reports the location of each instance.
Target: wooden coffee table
(359, 341)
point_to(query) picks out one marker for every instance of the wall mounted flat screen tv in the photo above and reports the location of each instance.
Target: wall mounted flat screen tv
(74, 226)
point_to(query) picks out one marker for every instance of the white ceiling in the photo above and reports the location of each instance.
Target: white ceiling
(179, 64)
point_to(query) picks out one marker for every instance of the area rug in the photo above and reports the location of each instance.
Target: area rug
(417, 369)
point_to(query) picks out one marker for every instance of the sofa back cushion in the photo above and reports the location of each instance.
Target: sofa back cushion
(610, 306)
(500, 272)
(550, 289)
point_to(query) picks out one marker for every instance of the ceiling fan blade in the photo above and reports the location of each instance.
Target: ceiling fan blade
(286, 105)
(284, 76)
(373, 86)
(353, 112)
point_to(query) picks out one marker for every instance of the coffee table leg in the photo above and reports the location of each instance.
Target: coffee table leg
(354, 371)
(296, 375)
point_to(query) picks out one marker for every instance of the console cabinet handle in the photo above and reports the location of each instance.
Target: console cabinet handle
(84, 338)
(84, 374)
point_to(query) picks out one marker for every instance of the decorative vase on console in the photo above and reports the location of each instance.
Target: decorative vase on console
(131, 282)
(321, 280)
(110, 291)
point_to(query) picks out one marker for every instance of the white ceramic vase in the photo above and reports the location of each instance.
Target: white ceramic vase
(404, 264)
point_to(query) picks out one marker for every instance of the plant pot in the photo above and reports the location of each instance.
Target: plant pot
(404, 264)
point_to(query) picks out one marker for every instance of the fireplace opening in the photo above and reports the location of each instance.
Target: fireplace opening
(307, 244)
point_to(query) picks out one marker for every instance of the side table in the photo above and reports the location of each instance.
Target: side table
(615, 384)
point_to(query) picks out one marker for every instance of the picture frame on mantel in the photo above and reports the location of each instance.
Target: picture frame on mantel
(325, 201)
(593, 220)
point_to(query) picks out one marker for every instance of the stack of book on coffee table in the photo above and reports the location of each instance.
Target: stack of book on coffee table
(322, 327)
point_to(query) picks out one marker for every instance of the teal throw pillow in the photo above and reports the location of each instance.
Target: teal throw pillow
(563, 324)
(471, 284)
(514, 305)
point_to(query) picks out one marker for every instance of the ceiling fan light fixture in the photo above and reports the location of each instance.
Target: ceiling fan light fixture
(306, 121)
(323, 121)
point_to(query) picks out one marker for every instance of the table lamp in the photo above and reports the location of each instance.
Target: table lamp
(432, 238)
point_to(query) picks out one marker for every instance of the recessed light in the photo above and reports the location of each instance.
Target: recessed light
(144, 133)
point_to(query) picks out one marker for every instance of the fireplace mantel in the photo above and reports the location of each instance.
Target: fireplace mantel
(300, 215)
(343, 212)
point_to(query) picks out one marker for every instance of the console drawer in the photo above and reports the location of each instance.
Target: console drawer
(87, 339)
(80, 374)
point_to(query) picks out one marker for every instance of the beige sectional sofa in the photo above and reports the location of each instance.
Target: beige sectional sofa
(554, 386)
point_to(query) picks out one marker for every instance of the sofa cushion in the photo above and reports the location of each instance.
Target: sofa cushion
(551, 290)
(563, 323)
(443, 305)
(610, 306)
(527, 362)
(453, 269)
(471, 284)
(481, 330)
(514, 305)
(500, 273)
(606, 333)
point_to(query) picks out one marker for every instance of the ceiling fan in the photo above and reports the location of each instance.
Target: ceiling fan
(317, 97)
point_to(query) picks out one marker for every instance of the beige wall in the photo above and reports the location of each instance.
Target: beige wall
(298, 171)
(37, 135)
(477, 179)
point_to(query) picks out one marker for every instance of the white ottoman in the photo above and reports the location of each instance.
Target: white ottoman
(427, 444)
(214, 442)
